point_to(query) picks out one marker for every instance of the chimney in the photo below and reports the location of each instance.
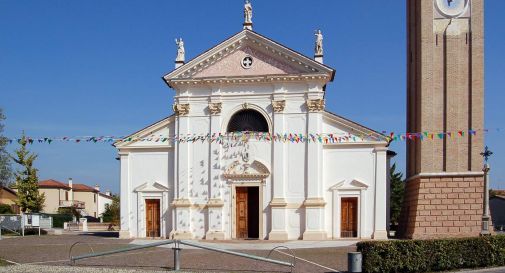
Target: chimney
(108, 193)
(71, 194)
(97, 187)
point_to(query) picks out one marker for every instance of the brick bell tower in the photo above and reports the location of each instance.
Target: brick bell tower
(445, 93)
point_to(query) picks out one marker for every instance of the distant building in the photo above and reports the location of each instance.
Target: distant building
(8, 197)
(89, 200)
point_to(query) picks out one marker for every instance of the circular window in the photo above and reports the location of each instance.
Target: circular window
(247, 62)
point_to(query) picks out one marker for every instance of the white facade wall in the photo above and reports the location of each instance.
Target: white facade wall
(301, 184)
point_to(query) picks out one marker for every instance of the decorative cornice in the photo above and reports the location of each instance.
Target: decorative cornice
(215, 108)
(278, 105)
(181, 203)
(315, 105)
(249, 79)
(446, 174)
(181, 109)
(314, 202)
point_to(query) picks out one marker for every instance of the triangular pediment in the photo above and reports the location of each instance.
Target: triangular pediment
(351, 132)
(152, 186)
(268, 58)
(155, 135)
(354, 184)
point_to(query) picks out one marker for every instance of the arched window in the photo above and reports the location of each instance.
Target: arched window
(247, 120)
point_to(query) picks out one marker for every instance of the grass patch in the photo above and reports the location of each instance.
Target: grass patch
(4, 262)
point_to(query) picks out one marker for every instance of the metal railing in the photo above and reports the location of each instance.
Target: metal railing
(177, 253)
(72, 203)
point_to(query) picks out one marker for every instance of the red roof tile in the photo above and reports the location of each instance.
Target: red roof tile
(50, 183)
(82, 187)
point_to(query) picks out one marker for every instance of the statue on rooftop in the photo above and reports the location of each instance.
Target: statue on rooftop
(319, 43)
(180, 50)
(247, 12)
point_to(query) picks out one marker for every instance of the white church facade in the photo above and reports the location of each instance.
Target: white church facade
(251, 152)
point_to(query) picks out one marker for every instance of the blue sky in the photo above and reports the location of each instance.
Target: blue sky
(72, 68)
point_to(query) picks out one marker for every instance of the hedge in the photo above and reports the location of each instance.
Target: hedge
(432, 255)
(59, 219)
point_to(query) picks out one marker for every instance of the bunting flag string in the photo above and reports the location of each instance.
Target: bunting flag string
(322, 138)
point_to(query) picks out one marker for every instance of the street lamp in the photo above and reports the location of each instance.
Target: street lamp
(485, 216)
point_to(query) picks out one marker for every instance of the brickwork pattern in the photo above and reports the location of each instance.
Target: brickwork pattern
(440, 207)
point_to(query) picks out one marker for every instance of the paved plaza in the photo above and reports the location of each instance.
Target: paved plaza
(51, 254)
(54, 250)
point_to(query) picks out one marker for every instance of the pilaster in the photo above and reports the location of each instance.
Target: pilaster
(314, 203)
(278, 203)
(126, 193)
(380, 215)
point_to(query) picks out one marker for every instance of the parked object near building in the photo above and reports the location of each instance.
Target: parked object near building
(497, 208)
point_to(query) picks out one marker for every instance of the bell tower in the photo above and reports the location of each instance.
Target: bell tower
(445, 107)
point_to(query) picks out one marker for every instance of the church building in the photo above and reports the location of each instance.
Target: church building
(250, 152)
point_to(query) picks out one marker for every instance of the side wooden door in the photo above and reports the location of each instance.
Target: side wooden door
(152, 217)
(241, 212)
(349, 215)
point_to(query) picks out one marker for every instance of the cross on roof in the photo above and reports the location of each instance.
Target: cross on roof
(486, 154)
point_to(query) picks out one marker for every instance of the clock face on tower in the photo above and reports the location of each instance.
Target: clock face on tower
(451, 8)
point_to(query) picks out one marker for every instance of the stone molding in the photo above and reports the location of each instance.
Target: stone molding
(181, 235)
(181, 203)
(181, 109)
(215, 108)
(278, 202)
(215, 235)
(314, 202)
(278, 105)
(215, 203)
(315, 105)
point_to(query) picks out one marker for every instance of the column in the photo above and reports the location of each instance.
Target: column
(278, 203)
(380, 214)
(215, 204)
(314, 203)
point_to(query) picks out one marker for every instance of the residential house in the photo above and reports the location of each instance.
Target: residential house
(8, 196)
(103, 200)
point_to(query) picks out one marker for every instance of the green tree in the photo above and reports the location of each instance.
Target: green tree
(397, 189)
(5, 167)
(29, 199)
(111, 213)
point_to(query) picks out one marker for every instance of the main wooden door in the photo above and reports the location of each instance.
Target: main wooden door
(241, 212)
(152, 217)
(349, 217)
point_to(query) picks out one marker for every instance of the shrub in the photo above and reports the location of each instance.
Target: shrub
(432, 255)
(6, 209)
(59, 219)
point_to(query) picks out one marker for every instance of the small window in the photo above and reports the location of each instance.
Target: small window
(94, 197)
(66, 196)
